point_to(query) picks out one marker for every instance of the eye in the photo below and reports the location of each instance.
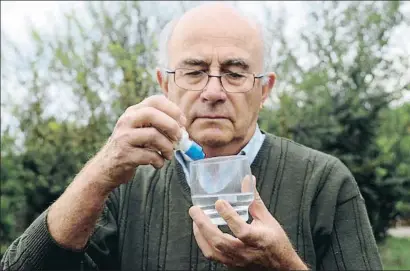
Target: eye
(234, 75)
(194, 73)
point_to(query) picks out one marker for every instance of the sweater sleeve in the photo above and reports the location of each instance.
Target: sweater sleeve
(36, 249)
(347, 241)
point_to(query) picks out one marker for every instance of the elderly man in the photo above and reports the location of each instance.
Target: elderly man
(130, 207)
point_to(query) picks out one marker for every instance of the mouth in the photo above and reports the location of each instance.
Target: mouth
(213, 117)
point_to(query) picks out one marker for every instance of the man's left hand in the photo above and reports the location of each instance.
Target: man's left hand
(261, 243)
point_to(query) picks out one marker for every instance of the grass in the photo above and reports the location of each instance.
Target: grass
(395, 253)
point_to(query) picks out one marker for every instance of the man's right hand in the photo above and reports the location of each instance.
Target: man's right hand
(144, 134)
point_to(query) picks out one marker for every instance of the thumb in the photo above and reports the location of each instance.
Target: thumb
(257, 209)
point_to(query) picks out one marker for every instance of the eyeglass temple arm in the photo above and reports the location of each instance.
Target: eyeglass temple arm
(260, 75)
(168, 71)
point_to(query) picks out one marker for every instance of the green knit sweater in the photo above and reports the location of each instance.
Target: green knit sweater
(146, 225)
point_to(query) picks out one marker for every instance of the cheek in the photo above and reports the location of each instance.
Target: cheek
(246, 108)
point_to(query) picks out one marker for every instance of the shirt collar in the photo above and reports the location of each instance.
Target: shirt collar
(251, 149)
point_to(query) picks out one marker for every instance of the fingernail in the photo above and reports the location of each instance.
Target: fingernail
(223, 205)
(193, 212)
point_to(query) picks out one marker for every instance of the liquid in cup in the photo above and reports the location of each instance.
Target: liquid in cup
(225, 177)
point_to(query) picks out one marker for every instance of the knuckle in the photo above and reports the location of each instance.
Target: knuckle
(219, 244)
(130, 108)
(150, 110)
(117, 140)
(155, 99)
(152, 134)
(120, 138)
(209, 255)
(147, 112)
(200, 224)
(122, 121)
(243, 233)
(171, 130)
(148, 100)
(155, 160)
(161, 99)
(228, 216)
(216, 241)
(167, 152)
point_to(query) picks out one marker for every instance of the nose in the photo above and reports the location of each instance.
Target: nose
(213, 92)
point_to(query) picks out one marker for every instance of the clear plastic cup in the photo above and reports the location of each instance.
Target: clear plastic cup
(224, 177)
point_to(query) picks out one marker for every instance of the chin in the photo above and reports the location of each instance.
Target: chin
(212, 135)
(213, 138)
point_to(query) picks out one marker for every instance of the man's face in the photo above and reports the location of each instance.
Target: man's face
(216, 118)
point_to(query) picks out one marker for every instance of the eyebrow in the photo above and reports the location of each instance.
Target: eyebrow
(193, 62)
(232, 62)
(236, 62)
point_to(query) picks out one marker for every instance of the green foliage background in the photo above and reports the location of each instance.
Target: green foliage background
(347, 101)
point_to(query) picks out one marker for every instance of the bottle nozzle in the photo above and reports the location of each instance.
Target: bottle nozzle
(189, 147)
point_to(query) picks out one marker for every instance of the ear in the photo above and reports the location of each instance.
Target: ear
(267, 88)
(162, 81)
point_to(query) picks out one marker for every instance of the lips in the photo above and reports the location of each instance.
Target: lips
(212, 117)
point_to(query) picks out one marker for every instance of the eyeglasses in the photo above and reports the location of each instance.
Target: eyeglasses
(196, 80)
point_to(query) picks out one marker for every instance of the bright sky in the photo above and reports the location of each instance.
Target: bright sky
(16, 16)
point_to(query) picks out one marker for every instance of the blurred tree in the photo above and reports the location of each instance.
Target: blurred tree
(334, 104)
(103, 61)
(12, 194)
(393, 141)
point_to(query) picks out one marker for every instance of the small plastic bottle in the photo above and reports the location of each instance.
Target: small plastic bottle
(189, 147)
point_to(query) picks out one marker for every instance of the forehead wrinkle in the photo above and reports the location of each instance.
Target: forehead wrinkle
(218, 21)
(189, 41)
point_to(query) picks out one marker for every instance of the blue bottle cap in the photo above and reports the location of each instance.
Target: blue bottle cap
(195, 152)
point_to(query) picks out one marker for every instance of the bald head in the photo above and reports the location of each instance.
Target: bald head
(219, 14)
(212, 21)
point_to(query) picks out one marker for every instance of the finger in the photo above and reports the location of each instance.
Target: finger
(202, 221)
(147, 157)
(162, 103)
(238, 226)
(257, 209)
(247, 185)
(151, 138)
(152, 117)
(216, 238)
(209, 252)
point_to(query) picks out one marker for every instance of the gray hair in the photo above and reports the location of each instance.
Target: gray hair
(166, 34)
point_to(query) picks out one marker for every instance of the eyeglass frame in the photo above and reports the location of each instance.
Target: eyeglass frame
(255, 76)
